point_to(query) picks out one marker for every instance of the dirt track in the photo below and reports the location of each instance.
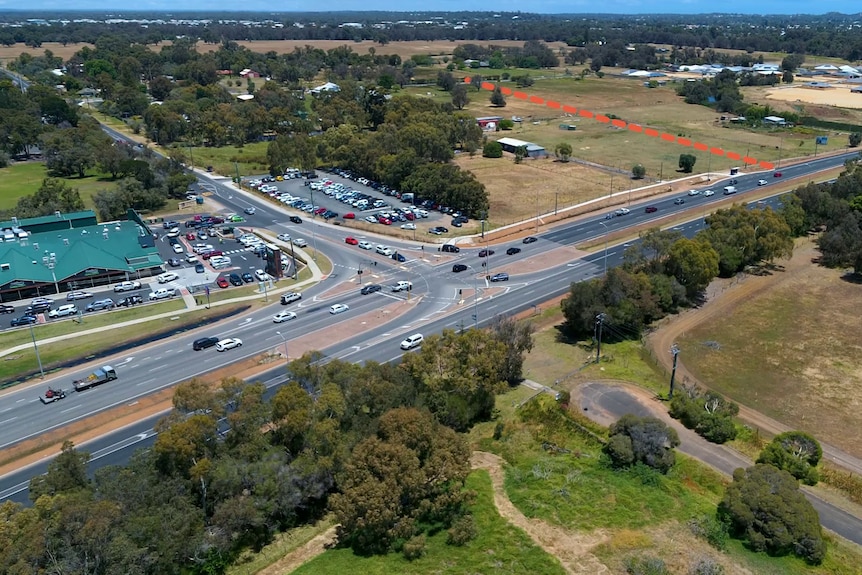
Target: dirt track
(723, 295)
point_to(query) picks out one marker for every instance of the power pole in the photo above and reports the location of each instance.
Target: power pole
(674, 350)
(600, 319)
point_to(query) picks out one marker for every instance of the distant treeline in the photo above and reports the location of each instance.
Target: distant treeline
(831, 34)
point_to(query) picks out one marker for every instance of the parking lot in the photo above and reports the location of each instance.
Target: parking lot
(342, 197)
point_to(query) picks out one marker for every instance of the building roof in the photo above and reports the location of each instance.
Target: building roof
(777, 119)
(70, 217)
(120, 246)
(518, 143)
(327, 87)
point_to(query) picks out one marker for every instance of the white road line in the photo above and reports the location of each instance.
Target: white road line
(72, 408)
(8, 420)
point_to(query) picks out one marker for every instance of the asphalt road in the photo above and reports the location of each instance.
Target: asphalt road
(607, 403)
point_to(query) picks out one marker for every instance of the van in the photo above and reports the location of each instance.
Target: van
(451, 248)
(412, 341)
(729, 190)
(204, 343)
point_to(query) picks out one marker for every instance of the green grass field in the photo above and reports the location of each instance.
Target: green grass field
(249, 159)
(499, 548)
(23, 179)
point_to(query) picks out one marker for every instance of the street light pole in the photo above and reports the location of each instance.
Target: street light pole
(286, 357)
(674, 350)
(36, 348)
(606, 246)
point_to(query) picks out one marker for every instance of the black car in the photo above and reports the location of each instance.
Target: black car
(399, 257)
(7, 309)
(485, 253)
(458, 268)
(456, 223)
(199, 268)
(247, 278)
(513, 251)
(235, 279)
(40, 307)
(23, 320)
(530, 239)
(370, 288)
(130, 301)
(204, 343)
(296, 219)
(452, 248)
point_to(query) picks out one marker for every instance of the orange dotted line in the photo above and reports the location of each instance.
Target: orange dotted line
(635, 128)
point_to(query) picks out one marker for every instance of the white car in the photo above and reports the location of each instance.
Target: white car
(127, 286)
(163, 293)
(694, 192)
(64, 310)
(709, 193)
(284, 237)
(283, 316)
(412, 341)
(365, 245)
(622, 211)
(262, 275)
(167, 277)
(290, 297)
(762, 182)
(300, 243)
(229, 343)
(192, 259)
(178, 249)
(408, 226)
(338, 308)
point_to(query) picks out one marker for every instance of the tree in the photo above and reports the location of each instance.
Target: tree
(445, 80)
(497, 98)
(459, 96)
(795, 452)
(492, 150)
(54, 195)
(709, 414)
(764, 507)
(694, 263)
(855, 139)
(563, 151)
(644, 440)
(686, 162)
(66, 473)
(517, 336)
(638, 171)
(787, 77)
(581, 307)
(409, 476)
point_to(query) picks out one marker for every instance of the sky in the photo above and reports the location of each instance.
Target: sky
(536, 7)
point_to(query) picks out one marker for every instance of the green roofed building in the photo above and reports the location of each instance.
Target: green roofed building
(65, 252)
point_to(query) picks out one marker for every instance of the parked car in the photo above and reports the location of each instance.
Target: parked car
(229, 343)
(127, 286)
(204, 342)
(530, 239)
(262, 276)
(650, 209)
(6, 308)
(130, 300)
(513, 251)
(63, 311)
(23, 320)
(437, 230)
(100, 305)
(174, 262)
(408, 226)
(247, 277)
(370, 288)
(74, 295)
(459, 268)
(167, 277)
(349, 216)
(222, 282)
(284, 237)
(235, 279)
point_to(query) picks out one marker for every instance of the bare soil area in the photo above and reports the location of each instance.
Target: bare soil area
(784, 345)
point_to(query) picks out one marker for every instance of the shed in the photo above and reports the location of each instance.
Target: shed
(533, 150)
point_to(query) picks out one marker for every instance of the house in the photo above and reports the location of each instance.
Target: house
(249, 73)
(489, 122)
(774, 121)
(328, 87)
(533, 150)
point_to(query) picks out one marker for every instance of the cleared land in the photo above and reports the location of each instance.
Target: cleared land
(24, 178)
(839, 96)
(791, 351)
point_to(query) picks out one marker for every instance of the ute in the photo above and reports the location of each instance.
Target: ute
(101, 375)
(52, 395)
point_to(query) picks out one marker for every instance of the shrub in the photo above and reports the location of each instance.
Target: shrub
(645, 566)
(4, 159)
(708, 527)
(493, 150)
(796, 453)
(463, 531)
(645, 440)
(706, 566)
(414, 548)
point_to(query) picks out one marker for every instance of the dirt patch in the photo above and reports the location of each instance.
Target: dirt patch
(810, 382)
(839, 96)
(307, 552)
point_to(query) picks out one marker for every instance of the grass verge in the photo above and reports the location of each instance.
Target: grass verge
(248, 562)
(499, 548)
(23, 179)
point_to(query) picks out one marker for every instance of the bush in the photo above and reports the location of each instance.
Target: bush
(493, 150)
(4, 159)
(708, 527)
(463, 531)
(644, 440)
(795, 452)
(764, 507)
(706, 566)
(414, 548)
(708, 414)
(645, 566)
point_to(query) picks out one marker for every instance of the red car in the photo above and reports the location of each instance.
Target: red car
(385, 221)
(320, 211)
(410, 216)
(190, 236)
(222, 282)
(650, 209)
(351, 241)
(776, 175)
(349, 216)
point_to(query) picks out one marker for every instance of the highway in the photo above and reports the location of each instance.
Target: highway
(161, 365)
